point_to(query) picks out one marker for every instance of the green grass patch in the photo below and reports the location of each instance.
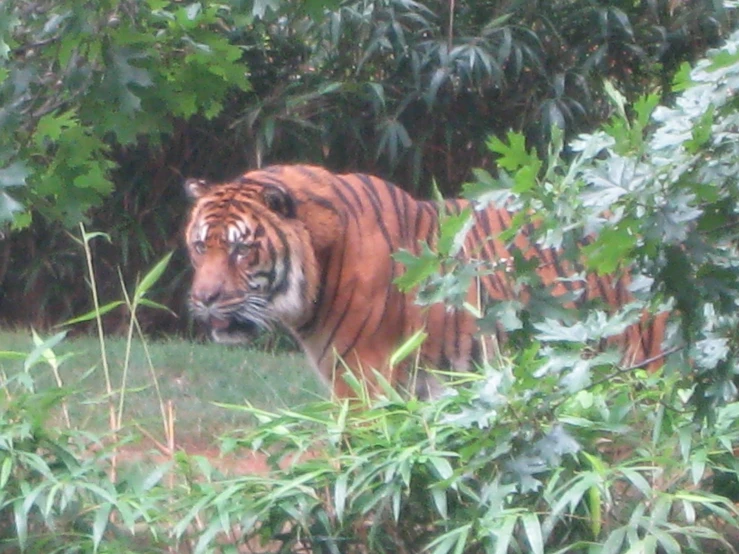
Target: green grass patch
(192, 376)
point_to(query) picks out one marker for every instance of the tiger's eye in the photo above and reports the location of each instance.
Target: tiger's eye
(198, 246)
(241, 249)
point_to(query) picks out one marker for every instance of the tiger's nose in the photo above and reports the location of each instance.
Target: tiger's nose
(206, 296)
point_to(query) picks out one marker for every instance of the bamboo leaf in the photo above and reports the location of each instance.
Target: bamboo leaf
(532, 527)
(100, 524)
(151, 277)
(91, 315)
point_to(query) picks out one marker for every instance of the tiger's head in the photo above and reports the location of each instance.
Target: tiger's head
(253, 260)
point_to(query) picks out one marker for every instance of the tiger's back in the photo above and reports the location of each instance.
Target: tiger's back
(311, 250)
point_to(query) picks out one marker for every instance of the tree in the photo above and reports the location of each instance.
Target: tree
(104, 110)
(77, 82)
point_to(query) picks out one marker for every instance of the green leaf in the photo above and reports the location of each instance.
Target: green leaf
(441, 466)
(617, 99)
(100, 524)
(21, 523)
(452, 541)
(504, 314)
(613, 543)
(667, 542)
(93, 314)
(417, 268)
(41, 348)
(702, 132)
(8, 207)
(156, 305)
(452, 231)
(532, 527)
(151, 277)
(13, 175)
(513, 154)
(52, 126)
(612, 248)
(595, 508)
(683, 79)
(644, 107)
(552, 330)
(409, 346)
(515, 158)
(503, 533)
(439, 496)
(638, 480)
(340, 495)
(87, 237)
(7, 467)
(723, 59)
(260, 7)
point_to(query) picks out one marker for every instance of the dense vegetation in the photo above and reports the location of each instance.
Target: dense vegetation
(549, 447)
(545, 449)
(106, 107)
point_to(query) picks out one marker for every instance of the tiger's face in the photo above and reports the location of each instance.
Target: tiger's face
(253, 265)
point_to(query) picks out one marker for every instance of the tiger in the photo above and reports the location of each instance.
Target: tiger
(311, 251)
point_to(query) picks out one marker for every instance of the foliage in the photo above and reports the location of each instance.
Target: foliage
(545, 450)
(113, 105)
(55, 493)
(66, 489)
(78, 80)
(500, 465)
(653, 193)
(410, 88)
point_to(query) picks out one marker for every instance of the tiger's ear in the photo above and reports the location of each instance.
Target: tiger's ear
(195, 188)
(279, 201)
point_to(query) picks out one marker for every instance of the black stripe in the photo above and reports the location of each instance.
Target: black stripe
(354, 340)
(620, 292)
(433, 228)
(273, 169)
(457, 314)
(309, 325)
(486, 250)
(377, 207)
(644, 340)
(307, 171)
(602, 289)
(481, 219)
(283, 283)
(350, 206)
(419, 216)
(326, 204)
(476, 350)
(406, 210)
(388, 294)
(444, 361)
(477, 240)
(352, 190)
(337, 326)
(399, 217)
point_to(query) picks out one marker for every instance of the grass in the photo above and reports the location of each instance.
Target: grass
(192, 376)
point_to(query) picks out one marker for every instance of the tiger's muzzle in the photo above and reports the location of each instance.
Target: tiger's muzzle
(231, 318)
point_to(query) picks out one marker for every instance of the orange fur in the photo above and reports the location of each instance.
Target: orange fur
(311, 250)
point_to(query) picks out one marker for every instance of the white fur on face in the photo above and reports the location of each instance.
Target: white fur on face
(290, 304)
(201, 232)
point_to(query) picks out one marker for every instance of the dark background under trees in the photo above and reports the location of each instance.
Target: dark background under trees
(106, 107)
